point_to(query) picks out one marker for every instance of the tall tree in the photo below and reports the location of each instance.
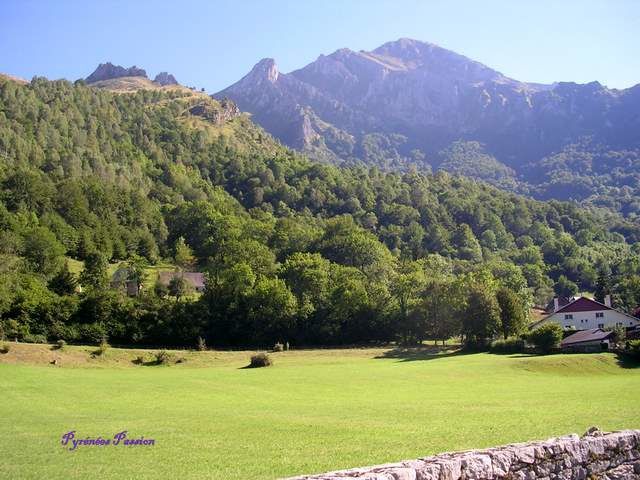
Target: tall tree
(481, 319)
(64, 282)
(440, 309)
(94, 274)
(513, 314)
(183, 254)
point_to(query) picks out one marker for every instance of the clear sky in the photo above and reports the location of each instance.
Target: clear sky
(212, 44)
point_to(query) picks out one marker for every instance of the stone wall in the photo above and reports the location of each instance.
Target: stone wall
(596, 455)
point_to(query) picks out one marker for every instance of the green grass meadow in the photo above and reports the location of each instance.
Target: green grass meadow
(312, 411)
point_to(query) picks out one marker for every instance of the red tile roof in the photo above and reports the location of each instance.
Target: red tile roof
(583, 304)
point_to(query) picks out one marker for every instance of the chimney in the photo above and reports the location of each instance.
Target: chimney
(556, 304)
(607, 300)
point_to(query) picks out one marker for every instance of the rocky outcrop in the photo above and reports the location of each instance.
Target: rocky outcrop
(107, 71)
(165, 78)
(217, 114)
(596, 455)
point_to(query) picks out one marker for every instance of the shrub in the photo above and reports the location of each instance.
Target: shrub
(475, 345)
(632, 348)
(546, 337)
(260, 360)
(92, 332)
(71, 333)
(60, 344)
(181, 360)
(201, 345)
(508, 345)
(139, 360)
(35, 338)
(162, 357)
(278, 347)
(102, 348)
(4, 348)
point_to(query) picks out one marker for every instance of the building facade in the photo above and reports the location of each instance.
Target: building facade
(585, 314)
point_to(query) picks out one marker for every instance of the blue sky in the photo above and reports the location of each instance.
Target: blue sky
(212, 44)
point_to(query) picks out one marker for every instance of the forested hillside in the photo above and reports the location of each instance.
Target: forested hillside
(294, 250)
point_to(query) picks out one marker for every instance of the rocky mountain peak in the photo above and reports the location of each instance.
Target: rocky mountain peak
(107, 71)
(265, 69)
(165, 78)
(405, 48)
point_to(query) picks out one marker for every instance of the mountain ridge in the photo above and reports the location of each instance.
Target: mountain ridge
(431, 97)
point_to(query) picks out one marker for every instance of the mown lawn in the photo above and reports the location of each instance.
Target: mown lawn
(313, 411)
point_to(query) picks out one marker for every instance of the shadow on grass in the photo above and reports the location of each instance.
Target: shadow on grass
(146, 363)
(625, 360)
(154, 362)
(412, 354)
(524, 355)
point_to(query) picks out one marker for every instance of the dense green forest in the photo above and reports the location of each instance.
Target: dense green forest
(293, 250)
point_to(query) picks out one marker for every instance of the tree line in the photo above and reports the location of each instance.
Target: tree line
(293, 250)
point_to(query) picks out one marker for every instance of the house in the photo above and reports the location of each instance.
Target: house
(195, 279)
(584, 313)
(592, 340)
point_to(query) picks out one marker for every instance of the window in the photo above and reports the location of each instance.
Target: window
(568, 316)
(599, 314)
(601, 325)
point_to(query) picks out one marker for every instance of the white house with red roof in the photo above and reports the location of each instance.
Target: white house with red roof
(584, 313)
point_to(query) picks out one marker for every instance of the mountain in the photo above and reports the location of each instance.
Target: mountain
(407, 102)
(108, 71)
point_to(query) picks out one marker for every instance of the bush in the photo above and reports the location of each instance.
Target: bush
(70, 333)
(60, 344)
(546, 337)
(278, 347)
(35, 338)
(102, 348)
(4, 348)
(92, 332)
(201, 345)
(632, 348)
(475, 345)
(260, 360)
(508, 345)
(162, 357)
(139, 360)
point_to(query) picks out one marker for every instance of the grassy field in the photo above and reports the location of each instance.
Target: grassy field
(312, 411)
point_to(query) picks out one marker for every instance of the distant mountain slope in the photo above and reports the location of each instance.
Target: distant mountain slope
(407, 101)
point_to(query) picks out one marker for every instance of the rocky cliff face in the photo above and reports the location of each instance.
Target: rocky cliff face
(107, 71)
(214, 112)
(165, 78)
(421, 97)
